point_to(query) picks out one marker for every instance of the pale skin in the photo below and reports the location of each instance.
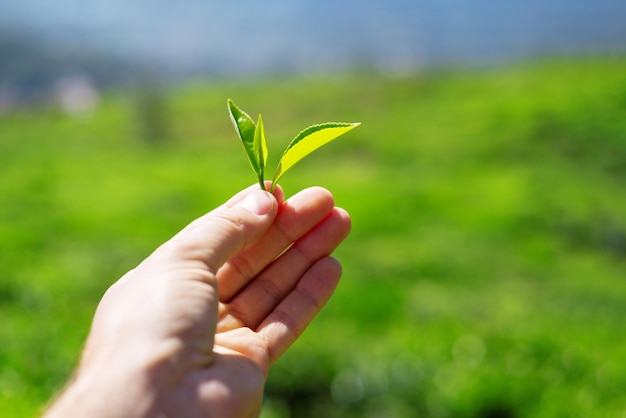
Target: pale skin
(193, 330)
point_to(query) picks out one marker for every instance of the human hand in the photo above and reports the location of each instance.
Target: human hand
(192, 331)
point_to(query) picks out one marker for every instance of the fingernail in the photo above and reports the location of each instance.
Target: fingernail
(258, 202)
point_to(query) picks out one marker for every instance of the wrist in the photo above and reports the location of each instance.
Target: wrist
(103, 397)
(104, 393)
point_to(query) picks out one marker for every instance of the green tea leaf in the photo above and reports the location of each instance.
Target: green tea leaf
(308, 141)
(245, 127)
(252, 137)
(260, 150)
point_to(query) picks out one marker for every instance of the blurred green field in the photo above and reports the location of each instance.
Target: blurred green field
(485, 275)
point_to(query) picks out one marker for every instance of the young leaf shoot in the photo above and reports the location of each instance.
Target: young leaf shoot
(254, 143)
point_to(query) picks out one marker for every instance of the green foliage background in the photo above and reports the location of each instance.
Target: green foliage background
(485, 275)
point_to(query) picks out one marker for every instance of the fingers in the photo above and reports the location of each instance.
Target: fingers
(290, 318)
(255, 302)
(295, 218)
(278, 194)
(209, 241)
(233, 201)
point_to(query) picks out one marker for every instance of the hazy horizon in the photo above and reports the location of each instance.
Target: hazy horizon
(278, 35)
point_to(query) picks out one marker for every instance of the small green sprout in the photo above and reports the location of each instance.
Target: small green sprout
(252, 136)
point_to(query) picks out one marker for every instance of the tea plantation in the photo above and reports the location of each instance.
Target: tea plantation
(485, 275)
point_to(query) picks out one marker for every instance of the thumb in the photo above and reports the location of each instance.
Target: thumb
(220, 234)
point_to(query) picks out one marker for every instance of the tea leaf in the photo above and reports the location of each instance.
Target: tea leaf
(308, 141)
(246, 128)
(252, 137)
(260, 150)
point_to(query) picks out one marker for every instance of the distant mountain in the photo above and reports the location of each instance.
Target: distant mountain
(30, 69)
(222, 38)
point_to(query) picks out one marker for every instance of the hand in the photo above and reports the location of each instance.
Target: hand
(192, 331)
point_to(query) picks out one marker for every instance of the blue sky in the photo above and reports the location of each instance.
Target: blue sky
(252, 36)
